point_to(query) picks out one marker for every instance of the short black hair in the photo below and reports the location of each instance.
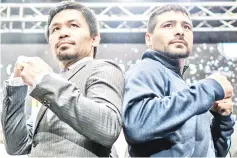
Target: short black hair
(87, 13)
(166, 8)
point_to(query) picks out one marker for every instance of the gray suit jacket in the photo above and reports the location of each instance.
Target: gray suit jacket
(80, 117)
(233, 148)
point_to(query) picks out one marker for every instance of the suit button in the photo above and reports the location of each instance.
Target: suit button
(34, 144)
(48, 105)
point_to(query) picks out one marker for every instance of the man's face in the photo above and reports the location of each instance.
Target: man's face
(69, 36)
(172, 35)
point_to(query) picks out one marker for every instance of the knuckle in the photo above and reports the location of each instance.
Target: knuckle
(17, 64)
(22, 74)
(20, 57)
(30, 61)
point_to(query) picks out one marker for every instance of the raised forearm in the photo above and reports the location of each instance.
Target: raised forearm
(17, 131)
(96, 114)
(97, 121)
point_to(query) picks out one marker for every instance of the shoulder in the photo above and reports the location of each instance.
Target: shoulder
(105, 63)
(107, 68)
(145, 68)
(107, 72)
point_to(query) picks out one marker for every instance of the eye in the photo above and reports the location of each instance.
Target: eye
(168, 25)
(187, 27)
(74, 25)
(55, 29)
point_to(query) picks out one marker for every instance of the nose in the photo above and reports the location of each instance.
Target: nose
(64, 32)
(179, 31)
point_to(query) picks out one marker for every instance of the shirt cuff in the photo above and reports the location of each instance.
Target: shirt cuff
(15, 81)
(220, 117)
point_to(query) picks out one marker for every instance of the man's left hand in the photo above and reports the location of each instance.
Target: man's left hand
(223, 107)
(34, 66)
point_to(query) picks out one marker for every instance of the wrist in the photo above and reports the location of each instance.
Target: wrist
(218, 116)
(15, 81)
(39, 78)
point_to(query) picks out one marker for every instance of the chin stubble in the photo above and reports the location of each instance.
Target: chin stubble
(66, 57)
(174, 55)
(178, 55)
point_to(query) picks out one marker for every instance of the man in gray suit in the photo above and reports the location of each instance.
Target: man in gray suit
(80, 112)
(233, 148)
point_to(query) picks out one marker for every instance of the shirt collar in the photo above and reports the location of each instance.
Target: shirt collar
(79, 62)
(168, 62)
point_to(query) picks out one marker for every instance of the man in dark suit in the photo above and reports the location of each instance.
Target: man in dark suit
(80, 112)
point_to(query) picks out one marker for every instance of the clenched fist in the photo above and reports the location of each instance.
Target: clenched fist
(223, 107)
(19, 66)
(225, 84)
(29, 67)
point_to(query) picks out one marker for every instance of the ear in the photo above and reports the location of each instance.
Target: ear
(96, 40)
(148, 40)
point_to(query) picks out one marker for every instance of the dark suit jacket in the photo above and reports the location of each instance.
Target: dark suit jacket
(80, 115)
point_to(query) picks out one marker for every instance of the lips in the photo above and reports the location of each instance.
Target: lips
(179, 41)
(63, 42)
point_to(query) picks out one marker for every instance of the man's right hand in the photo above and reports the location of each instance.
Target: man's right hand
(225, 84)
(19, 66)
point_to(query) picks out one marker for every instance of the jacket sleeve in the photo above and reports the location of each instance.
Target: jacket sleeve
(222, 128)
(149, 114)
(17, 130)
(96, 115)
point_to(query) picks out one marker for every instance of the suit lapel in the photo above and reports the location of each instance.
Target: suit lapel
(40, 116)
(69, 74)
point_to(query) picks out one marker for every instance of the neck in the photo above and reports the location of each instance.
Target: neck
(65, 64)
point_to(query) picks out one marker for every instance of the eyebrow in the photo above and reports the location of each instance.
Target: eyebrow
(54, 24)
(174, 21)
